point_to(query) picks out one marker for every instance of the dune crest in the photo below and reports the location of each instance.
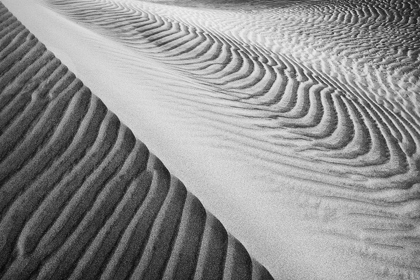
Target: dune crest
(80, 197)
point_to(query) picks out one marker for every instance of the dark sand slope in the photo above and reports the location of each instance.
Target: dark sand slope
(80, 197)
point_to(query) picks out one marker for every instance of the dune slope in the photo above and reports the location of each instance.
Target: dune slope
(80, 197)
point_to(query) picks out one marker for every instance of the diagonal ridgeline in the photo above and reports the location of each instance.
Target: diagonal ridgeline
(80, 197)
(328, 89)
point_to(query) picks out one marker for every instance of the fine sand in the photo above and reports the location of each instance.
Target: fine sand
(296, 124)
(80, 197)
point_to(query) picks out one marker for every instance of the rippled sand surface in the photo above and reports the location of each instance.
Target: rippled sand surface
(296, 123)
(81, 198)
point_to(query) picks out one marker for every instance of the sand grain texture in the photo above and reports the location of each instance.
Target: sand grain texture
(80, 197)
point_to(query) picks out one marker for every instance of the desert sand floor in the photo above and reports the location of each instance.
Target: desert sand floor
(80, 197)
(296, 123)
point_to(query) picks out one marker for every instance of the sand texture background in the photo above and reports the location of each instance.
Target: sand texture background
(80, 197)
(296, 123)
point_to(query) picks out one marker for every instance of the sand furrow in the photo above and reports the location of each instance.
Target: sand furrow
(133, 241)
(162, 235)
(237, 263)
(80, 196)
(101, 250)
(38, 159)
(182, 262)
(212, 250)
(84, 215)
(17, 189)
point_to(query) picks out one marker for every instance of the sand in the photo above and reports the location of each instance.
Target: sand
(296, 124)
(80, 197)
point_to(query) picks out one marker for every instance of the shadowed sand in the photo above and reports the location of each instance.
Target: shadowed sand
(80, 197)
(300, 120)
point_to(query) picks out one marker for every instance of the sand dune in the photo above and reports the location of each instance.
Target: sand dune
(322, 112)
(312, 107)
(80, 197)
